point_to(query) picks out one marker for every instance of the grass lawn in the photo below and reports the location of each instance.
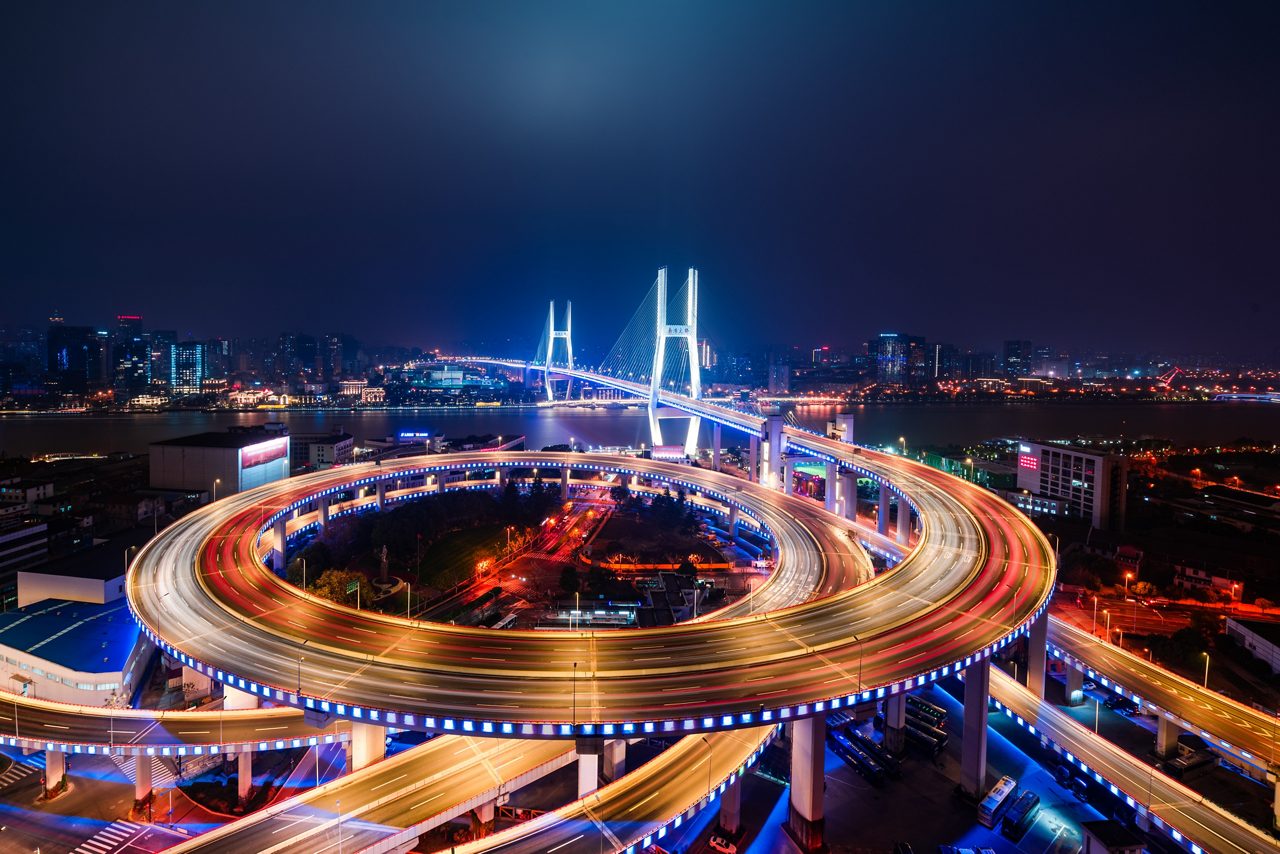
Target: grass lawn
(454, 557)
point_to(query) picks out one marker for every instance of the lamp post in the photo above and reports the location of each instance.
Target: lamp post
(1094, 630)
(300, 660)
(1206, 669)
(216, 481)
(710, 752)
(1127, 577)
(304, 572)
(969, 462)
(1107, 613)
(902, 440)
(135, 549)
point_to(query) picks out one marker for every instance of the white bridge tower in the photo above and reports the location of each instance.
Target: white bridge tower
(688, 333)
(554, 335)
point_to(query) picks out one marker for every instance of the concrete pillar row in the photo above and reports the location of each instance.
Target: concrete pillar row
(805, 823)
(882, 515)
(368, 745)
(904, 522)
(322, 510)
(615, 759)
(564, 484)
(832, 487)
(55, 768)
(849, 495)
(973, 743)
(141, 777)
(588, 773)
(731, 808)
(1166, 737)
(382, 494)
(716, 438)
(787, 469)
(733, 520)
(895, 723)
(1037, 653)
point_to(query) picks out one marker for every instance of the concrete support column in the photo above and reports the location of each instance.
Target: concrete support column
(1075, 686)
(615, 759)
(731, 808)
(233, 698)
(1275, 807)
(716, 430)
(279, 554)
(55, 768)
(882, 515)
(849, 495)
(832, 487)
(773, 450)
(787, 469)
(808, 751)
(141, 777)
(382, 494)
(503, 475)
(368, 745)
(733, 520)
(753, 459)
(482, 819)
(564, 484)
(973, 744)
(895, 723)
(1166, 737)
(244, 775)
(322, 510)
(904, 522)
(1037, 651)
(589, 750)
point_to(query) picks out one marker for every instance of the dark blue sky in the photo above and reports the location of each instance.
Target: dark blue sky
(1078, 174)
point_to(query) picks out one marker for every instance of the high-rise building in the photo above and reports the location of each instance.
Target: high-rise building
(899, 359)
(74, 359)
(162, 343)
(186, 368)
(944, 362)
(706, 355)
(1018, 358)
(779, 377)
(131, 374)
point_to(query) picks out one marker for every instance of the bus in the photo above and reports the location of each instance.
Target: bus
(997, 801)
(1020, 815)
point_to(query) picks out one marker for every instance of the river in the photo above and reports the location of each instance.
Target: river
(1200, 424)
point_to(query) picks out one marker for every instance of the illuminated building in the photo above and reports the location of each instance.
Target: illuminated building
(230, 462)
(1068, 480)
(186, 367)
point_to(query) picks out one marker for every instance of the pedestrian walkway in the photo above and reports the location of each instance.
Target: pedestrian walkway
(114, 837)
(162, 776)
(17, 770)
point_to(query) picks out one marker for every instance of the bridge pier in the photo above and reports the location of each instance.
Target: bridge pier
(382, 494)
(882, 514)
(1166, 737)
(772, 468)
(895, 723)
(368, 745)
(716, 430)
(322, 511)
(55, 768)
(564, 484)
(832, 491)
(141, 777)
(904, 522)
(589, 750)
(753, 459)
(244, 775)
(973, 744)
(279, 554)
(733, 520)
(1037, 651)
(787, 470)
(731, 808)
(233, 699)
(615, 759)
(804, 827)
(482, 819)
(1075, 686)
(849, 495)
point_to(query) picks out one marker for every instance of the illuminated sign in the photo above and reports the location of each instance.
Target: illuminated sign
(1029, 461)
(264, 452)
(1024, 449)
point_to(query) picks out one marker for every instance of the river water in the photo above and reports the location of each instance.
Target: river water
(1201, 424)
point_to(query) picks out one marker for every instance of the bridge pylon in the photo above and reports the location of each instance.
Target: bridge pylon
(688, 333)
(552, 336)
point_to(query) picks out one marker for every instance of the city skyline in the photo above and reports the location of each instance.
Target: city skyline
(954, 176)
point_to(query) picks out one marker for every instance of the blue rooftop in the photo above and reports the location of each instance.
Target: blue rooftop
(80, 636)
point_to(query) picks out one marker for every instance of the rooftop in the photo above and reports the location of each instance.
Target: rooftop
(76, 635)
(103, 561)
(242, 438)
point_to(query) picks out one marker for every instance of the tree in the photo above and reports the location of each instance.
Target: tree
(687, 568)
(569, 579)
(340, 585)
(620, 493)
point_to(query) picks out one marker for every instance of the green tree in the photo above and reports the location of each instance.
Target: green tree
(340, 585)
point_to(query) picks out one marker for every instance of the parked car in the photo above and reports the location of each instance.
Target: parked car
(721, 845)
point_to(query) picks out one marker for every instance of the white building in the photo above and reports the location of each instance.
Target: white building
(1067, 480)
(1261, 639)
(221, 463)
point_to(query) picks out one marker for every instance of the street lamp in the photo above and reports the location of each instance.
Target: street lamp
(1107, 613)
(1127, 577)
(216, 481)
(969, 462)
(135, 549)
(1094, 630)
(1206, 669)
(902, 440)
(710, 752)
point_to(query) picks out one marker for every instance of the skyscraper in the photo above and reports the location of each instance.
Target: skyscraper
(74, 359)
(899, 359)
(1018, 356)
(186, 368)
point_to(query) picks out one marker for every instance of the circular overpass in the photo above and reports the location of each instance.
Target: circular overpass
(977, 575)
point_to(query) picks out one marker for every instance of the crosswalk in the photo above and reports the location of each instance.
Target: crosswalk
(113, 837)
(17, 770)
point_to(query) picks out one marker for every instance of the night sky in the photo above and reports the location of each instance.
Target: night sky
(1084, 175)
